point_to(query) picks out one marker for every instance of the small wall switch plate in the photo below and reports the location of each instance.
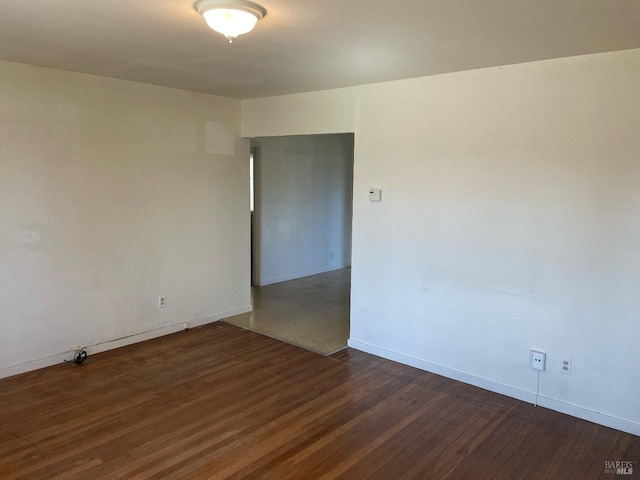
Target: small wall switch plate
(538, 359)
(375, 195)
(565, 366)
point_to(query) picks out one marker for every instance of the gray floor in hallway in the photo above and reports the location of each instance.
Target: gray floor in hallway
(311, 312)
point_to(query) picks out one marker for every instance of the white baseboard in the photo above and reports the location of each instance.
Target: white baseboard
(36, 364)
(590, 415)
(219, 316)
(307, 273)
(524, 395)
(110, 344)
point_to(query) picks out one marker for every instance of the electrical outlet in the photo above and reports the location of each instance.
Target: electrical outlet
(162, 301)
(565, 366)
(538, 359)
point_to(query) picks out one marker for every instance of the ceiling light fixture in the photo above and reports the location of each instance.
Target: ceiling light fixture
(230, 17)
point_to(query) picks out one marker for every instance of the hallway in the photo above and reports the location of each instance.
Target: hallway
(311, 312)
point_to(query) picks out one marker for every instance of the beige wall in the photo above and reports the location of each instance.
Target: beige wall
(331, 111)
(510, 220)
(111, 194)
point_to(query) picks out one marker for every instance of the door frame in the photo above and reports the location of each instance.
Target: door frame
(256, 224)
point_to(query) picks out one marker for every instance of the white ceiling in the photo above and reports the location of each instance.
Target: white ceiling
(306, 45)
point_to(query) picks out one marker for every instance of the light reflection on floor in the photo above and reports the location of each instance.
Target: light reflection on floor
(312, 312)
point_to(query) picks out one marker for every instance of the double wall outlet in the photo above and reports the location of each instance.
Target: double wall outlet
(162, 301)
(538, 359)
(565, 366)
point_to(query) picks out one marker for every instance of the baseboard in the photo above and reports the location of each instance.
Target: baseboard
(129, 339)
(36, 364)
(307, 273)
(524, 395)
(219, 316)
(590, 415)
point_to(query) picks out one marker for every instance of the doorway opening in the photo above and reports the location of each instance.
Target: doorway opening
(301, 213)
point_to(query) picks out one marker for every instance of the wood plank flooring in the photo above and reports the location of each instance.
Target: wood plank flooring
(219, 402)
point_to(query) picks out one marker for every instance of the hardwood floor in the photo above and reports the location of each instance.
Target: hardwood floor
(219, 402)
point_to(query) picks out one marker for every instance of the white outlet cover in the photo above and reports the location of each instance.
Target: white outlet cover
(566, 365)
(538, 359)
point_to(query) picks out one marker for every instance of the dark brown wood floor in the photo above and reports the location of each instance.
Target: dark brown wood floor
(221, 402)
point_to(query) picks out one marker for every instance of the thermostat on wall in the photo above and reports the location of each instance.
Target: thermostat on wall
(375, 195)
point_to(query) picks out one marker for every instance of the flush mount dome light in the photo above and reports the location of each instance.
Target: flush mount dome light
(230, 17)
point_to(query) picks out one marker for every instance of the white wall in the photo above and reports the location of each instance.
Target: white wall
(111, 194)
(510, 220)
(334, 110)
(305, 186)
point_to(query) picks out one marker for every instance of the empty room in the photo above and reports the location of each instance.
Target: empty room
(489, 232)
